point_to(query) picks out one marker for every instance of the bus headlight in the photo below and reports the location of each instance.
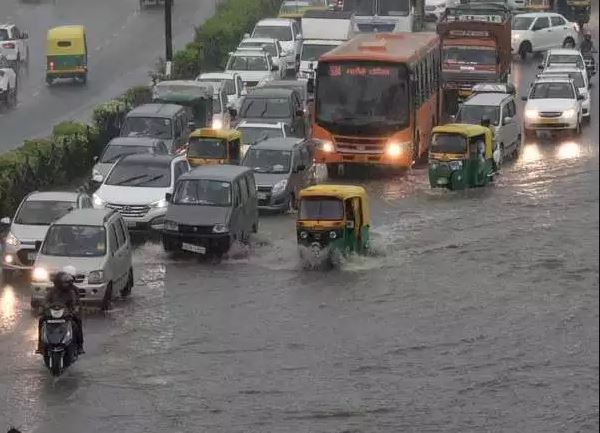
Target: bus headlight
(393, 149)
(327, 146)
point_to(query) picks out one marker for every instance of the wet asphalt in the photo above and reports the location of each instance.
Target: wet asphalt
(477, 312)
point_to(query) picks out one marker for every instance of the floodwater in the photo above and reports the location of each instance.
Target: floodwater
(478, 312)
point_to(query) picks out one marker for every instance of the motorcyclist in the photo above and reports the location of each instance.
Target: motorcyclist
(65, 293)
(587, 45)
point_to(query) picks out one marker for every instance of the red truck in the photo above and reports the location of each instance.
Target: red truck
(476, 48)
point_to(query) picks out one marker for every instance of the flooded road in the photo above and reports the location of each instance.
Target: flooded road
(478, 313)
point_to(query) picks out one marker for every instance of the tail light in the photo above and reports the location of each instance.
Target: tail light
(8, 45)
(51, 65)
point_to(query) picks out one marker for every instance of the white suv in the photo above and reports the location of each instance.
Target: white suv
(553, 104)
(272, 46)
(14, 44)
(541, 31)
(288, 33)
(254, 66)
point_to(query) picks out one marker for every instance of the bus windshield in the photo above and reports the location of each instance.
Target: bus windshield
(362, 97)
(394, 7)
(360, 7)
(470, 55)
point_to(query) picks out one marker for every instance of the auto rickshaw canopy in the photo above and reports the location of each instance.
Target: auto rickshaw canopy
(468, 131)
(341, 192)
(66, 40)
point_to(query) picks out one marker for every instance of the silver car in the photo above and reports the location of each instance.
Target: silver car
(94, 241)
(30, 223)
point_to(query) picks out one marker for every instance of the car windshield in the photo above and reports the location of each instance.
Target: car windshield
(42, 212)
(207, 148)
(269, 47)
(552, 91)
(572, 59)
(362, 97)
(115, 151)
(75, 241)
(156, 127)
(360, 7)
(140, 174)
(470, 55)
(311, 53)
(394, 7)
(265, 108)
(268, 160)
(522, 23)
(449, 143)
(203, 192)
(321, 209)
(283, 33)
(247, 63)
(251, 135)
(475, 113)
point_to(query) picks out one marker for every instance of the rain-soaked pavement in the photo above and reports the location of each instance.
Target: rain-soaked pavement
(478, 313)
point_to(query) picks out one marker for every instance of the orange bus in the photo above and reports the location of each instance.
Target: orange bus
(377, 97)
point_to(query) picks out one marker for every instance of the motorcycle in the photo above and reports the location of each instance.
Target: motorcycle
(590, 62)
(59, 346)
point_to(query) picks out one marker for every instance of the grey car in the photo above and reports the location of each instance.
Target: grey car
(282, 167)
(123, 146)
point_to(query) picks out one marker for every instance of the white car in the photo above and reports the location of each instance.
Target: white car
(272, 46)
(253, 66)
(137, 185)
(14, 44)
(553, 104)
(288, 33)
(312, 49)
(560, 57)
(253, 132)
(580, 80)
(8, 83)
(541, 31)
(232, 84)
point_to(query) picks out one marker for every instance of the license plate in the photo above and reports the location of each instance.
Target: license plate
(131, 224)
(193, 248)
(55, 321)
(262, 196)
(549, 121)
(31, 256)
(442, 181)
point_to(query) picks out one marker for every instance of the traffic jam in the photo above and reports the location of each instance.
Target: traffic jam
(296, 166)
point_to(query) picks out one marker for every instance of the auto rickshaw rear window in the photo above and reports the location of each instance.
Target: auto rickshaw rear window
(64, 44)
(449, 143)
(321, 209)
(207, 148)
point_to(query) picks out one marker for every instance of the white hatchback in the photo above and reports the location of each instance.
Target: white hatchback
(541, 31)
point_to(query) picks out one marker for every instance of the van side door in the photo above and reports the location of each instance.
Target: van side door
(124, 252)
(236, 223)
(245, 210)
(115, 262)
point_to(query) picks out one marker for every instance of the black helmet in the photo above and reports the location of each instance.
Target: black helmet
(63, 280)
(588, 36)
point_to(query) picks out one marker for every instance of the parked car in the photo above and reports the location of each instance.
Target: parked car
(231, 82)
(272, 46)
(97, 244)
(30, 223)
(167, 122)
(122, 146)
(212, 207)
(253, 66)
(284, 105)
(541, 31)
(494, 104)
(282, 167)
(136, 187)
(553, 104)
(287, 31)
(14, 45)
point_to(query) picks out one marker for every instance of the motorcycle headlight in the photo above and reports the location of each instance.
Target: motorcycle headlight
(12, 240)
(570, 113)
(96, 277)
(279, 187)
(57, 313)
(98, 201)
(455, 165)
(160, 203)
(217, 124)
(171, 226)
(40, 275)
(220, 228)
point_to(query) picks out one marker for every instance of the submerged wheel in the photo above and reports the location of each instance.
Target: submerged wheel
(126, 291)
(56, 363)
(107, 300)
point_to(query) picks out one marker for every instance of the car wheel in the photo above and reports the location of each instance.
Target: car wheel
(517, 150)
(569, 43)
(577, 130)
(126, 291)
(524, 49)
(107, 300)
(168, 244)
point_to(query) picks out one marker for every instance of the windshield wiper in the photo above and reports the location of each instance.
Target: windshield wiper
(131, 179)
(152, 179)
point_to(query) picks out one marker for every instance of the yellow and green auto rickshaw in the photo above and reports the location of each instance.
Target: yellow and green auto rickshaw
(66, 54)
(460, 156)
(333, 220)
(214, 146)
(538, 5)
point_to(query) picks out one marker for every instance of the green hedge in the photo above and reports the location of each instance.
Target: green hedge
(221, 34)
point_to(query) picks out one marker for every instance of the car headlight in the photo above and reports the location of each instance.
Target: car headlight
(220, 228)
(393, 150)
(12, 240)
(516, 36)
(162, 203)
(455, 165)
(171, 226)
(531, 114)
(570, 113)
(40, 275)
(279, 187)
(96, 277)
(327, 146)
(217, 124)
(98, 202)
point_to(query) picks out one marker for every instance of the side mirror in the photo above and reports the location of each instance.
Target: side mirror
(95, 159)
(300, 167)
(5, 221)
(524, 98)
(452, 118)
(541, 67)
(38, 245)
(274, 67)
(192, 125)
(580, 97)
(246, 35)
(98, 178)
(168, 197)
(508, 120)
(350, 224)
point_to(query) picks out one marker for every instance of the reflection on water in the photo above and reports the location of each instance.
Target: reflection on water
(8, 302)
(568, 150)
(531, 153)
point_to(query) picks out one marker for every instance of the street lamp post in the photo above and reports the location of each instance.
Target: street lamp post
(168, 36)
